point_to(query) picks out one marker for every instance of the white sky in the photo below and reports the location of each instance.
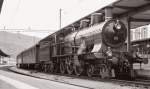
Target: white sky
(44, 14)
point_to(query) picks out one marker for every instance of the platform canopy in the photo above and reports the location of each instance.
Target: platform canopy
(137, 10)
(3, 54)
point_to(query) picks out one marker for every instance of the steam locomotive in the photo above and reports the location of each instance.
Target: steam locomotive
(95, 49)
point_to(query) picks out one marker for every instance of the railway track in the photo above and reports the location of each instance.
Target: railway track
(137, 82)
(145, 84)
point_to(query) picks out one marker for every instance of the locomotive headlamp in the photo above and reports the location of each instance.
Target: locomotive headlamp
(118, 25)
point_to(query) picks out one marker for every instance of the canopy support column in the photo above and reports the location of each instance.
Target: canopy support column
(55, 46)
(128, 34)
(132, 73)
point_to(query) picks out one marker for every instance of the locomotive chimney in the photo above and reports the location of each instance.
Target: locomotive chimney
(108, 13)
(96, 18)
(84, 23)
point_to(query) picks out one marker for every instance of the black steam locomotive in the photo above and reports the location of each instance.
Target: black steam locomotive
(95, 49)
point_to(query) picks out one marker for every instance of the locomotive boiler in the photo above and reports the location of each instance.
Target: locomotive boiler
(96, 49)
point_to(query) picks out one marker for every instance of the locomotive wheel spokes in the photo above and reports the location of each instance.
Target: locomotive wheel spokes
(56, 68)
(17, 65)
(90, 70)
(45, 68)
(132, 74)
(104, 72)
(51, 68)
(62, 67)
(36, 67)
(78, 69)
(69, 64)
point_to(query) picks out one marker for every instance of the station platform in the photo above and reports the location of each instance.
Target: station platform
(142, 70)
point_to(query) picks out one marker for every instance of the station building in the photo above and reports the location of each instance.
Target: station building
(140, 33)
